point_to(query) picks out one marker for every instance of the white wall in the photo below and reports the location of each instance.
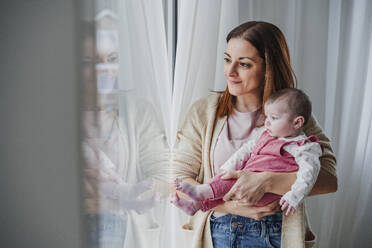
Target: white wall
(39, 128)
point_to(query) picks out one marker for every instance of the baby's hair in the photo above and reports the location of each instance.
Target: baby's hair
(297, 101)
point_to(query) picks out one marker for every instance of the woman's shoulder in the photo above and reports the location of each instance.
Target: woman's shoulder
(207, 102)
(204, 109)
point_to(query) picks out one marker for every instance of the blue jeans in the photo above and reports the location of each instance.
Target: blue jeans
(105, 230)
(233, 231)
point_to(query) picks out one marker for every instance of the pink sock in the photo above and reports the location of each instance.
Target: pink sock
(189, 207)
(195, 192)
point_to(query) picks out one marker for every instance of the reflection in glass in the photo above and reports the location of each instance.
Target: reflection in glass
(124, 146)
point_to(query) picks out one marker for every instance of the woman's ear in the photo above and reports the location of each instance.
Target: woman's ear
(298, 122)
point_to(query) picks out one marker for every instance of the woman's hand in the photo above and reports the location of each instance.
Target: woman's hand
(248, 189)
(253, 212)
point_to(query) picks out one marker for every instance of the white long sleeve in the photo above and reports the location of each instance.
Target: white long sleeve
(237, 158)
(307, 158)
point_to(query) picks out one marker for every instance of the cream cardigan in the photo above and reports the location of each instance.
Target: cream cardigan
(193, 158)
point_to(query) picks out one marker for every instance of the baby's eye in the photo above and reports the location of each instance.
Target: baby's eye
(274, 118)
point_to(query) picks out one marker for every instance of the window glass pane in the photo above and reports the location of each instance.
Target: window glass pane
(126, 105)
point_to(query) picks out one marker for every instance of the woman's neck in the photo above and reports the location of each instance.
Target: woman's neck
(247, 103)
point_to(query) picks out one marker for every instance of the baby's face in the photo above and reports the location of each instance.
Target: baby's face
(279, 121)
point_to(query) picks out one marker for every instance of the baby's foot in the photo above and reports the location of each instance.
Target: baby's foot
(195, 192)
(189, 207)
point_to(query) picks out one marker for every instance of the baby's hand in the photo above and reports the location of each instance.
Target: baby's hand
(286, 205)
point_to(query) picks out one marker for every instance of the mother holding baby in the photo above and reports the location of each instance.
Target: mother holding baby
(257, 64)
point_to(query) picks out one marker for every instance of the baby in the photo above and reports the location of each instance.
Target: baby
(282, 147)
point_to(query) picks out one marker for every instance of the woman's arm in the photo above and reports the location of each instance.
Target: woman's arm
(280, 183)
(257, 213)
(325, 183)
(236, 208)
(327, 179)
(251, 186)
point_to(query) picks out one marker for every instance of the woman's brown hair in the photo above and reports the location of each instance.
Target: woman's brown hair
(272, 47)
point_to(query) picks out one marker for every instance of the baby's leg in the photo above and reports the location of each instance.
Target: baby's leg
(195, 192)
(221, 186)
(190, 207)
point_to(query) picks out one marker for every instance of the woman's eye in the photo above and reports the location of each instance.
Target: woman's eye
(226, 60)
(245, 65)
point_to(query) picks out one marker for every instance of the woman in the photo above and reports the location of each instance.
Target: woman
(257, 63)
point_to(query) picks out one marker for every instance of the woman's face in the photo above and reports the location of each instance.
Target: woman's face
(244, 68)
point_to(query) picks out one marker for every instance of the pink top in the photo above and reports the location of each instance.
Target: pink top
(238, 129)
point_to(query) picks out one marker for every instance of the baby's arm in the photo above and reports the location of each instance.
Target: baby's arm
(307, 158)
(238, 157)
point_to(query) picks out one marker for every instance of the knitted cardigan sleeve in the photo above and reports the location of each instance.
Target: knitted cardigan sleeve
(327, 159)
(190, 151)
(187, 153)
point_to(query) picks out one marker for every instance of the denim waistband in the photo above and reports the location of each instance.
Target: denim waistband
(277, 217)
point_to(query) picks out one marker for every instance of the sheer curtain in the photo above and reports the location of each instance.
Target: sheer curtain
(145, 77)
(348, 112)
(144, 62)
(202, 28)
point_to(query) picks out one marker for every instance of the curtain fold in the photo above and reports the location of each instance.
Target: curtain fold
(202, 27)
(197, 42)
(144, 65)
(348, 120)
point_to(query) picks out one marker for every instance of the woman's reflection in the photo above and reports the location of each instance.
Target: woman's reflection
(124, 148)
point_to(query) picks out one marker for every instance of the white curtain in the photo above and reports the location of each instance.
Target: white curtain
(143, 57)
(202, 28)
(348, 120)
(145, 72)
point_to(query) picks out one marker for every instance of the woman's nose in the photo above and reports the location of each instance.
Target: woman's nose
(231, 70)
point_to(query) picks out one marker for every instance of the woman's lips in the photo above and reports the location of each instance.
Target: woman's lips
(234, 82)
